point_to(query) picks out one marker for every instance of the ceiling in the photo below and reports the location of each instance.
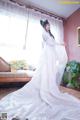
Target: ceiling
(53, 6)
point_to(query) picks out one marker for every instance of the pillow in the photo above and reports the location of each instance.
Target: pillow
(4, 66)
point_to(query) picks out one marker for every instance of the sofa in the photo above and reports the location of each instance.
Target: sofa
(6, 75)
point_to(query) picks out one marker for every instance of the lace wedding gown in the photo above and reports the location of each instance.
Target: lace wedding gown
(41, 99)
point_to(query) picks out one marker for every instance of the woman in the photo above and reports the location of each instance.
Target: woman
(41, 99)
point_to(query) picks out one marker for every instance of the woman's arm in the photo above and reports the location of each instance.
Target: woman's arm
(48, 40)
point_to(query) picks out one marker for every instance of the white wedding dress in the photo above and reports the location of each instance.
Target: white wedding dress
(41, 99)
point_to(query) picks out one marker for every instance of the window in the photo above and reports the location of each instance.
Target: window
(12, 35)
(21, 33)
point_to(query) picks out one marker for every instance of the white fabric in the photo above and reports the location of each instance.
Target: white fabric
(33, 38)
(41, 99)
(13, 25)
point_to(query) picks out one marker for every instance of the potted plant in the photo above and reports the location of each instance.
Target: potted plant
(71, 76)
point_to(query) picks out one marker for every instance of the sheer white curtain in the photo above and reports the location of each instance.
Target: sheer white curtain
(34, 38)
(13, 23)
(34, 34)
(21, 32)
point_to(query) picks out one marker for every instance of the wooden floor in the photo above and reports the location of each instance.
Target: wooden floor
(5, 91)
(71, 91)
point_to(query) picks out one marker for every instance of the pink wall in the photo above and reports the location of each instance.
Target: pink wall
(70, 35)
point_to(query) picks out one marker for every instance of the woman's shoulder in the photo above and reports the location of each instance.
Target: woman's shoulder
(45, 33)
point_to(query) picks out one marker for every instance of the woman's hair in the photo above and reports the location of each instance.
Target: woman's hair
(51, 34)
(43, 24)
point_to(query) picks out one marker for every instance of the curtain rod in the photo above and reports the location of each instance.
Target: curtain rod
(44, 12)
(36, 9)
